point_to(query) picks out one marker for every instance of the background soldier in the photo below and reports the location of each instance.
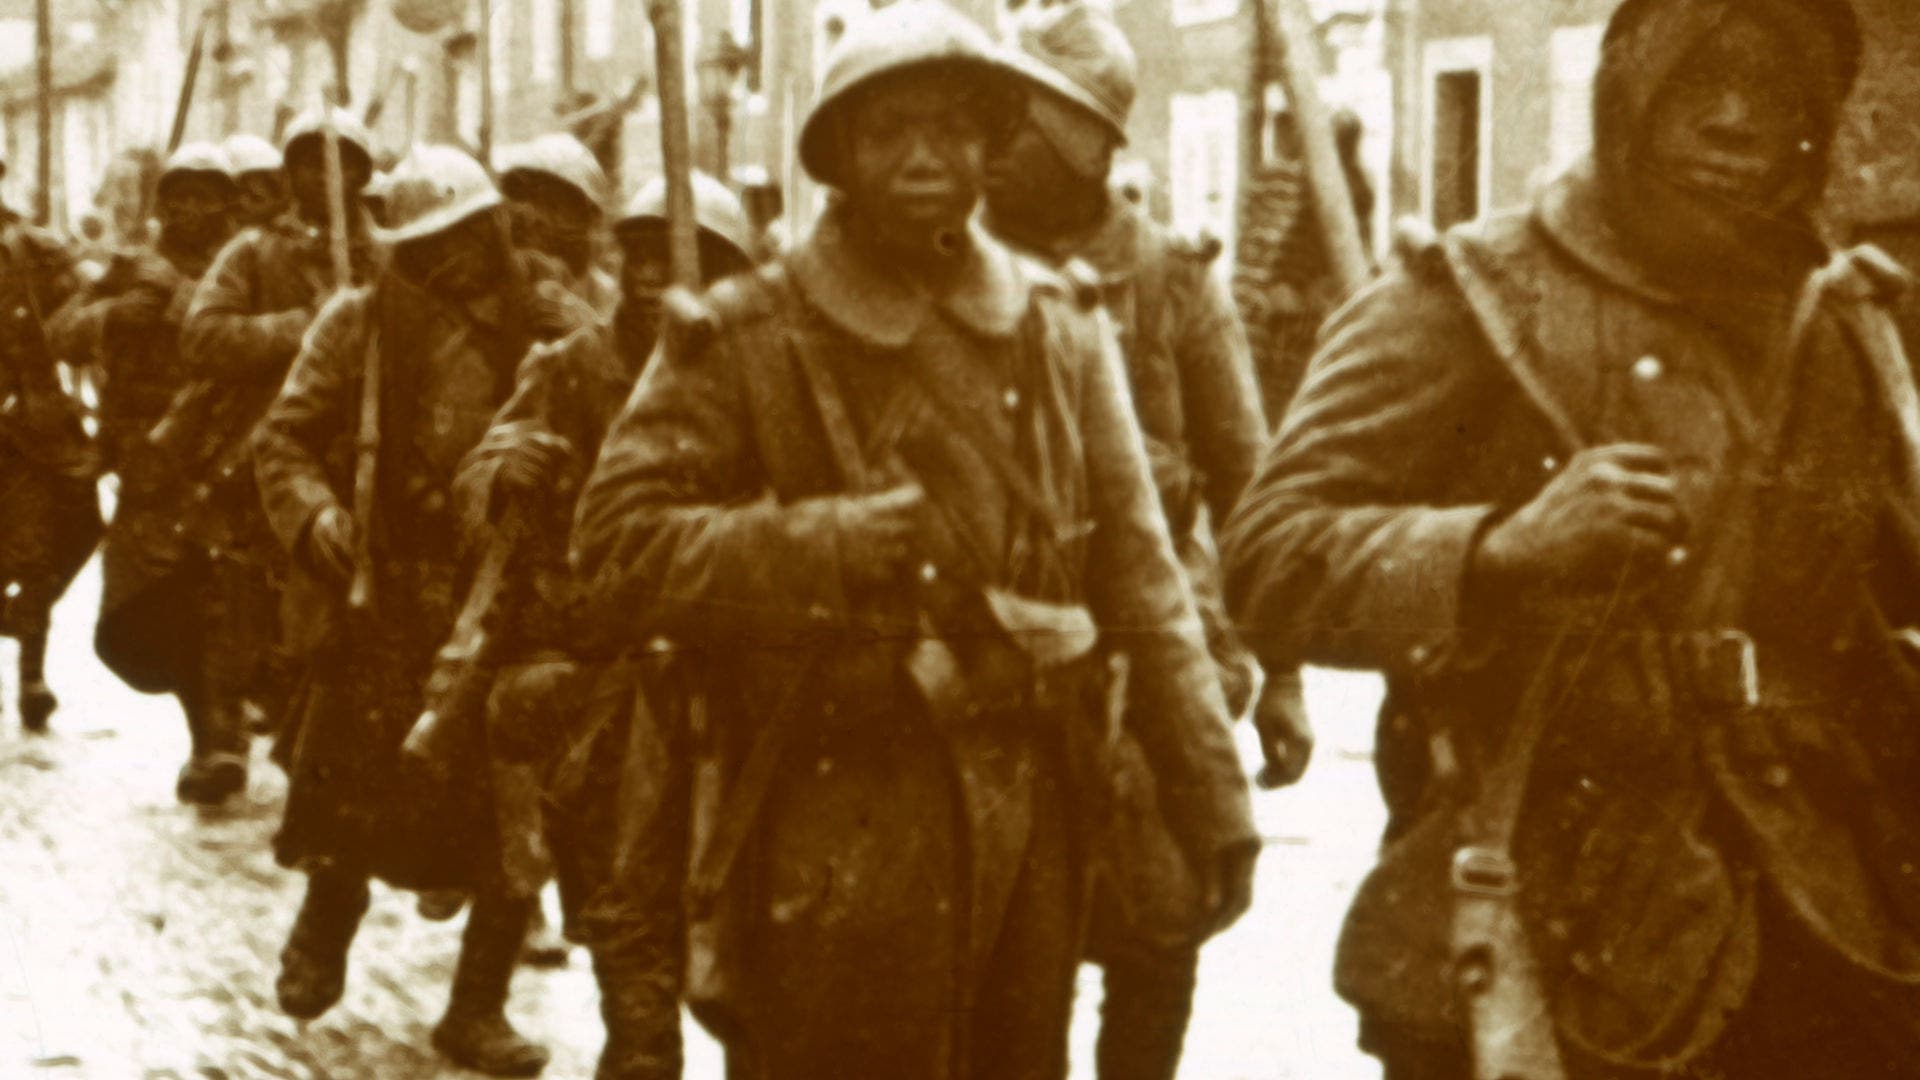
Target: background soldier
(878, 500)
(151, 630)
(261, 182)
(440, 332)
(564, 693)
(1644, 606)
(1193, 387)
(241, 334)
(47, 464)
(556, 197)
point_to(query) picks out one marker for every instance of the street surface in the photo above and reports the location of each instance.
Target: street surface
(139, 939)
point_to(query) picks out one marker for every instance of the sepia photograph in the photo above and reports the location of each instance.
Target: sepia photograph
(960, 539)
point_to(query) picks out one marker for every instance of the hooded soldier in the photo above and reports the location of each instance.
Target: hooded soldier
(241, 333)
(427, 352)
(889, 503)
(556, 196)
(1617, 491)
(1049, 194)
(150, 631)
(565, 694)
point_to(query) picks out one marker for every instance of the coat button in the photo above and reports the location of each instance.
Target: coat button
(929, 572)
(1649, 368)
(1550, 463)
(20, 312)
(1678, 555)
(1011, 399)
(1420, 654)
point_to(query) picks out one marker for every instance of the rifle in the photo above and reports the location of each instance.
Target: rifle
(1333, 200)
(367, 442)
(675, 142)
(184, 103)
(462, 675)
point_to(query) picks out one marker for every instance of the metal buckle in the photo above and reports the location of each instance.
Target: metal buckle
(1734, 668)
(1483, 872)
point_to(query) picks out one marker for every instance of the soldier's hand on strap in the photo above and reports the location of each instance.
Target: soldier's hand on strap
(531, 464)
(330, 541)
(1229, 885)
(876, 531)
(1286, 737)
(1613, 509)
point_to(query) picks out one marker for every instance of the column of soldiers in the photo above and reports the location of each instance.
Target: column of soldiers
(850, 641)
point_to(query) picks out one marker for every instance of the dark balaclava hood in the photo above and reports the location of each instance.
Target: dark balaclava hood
(1646, 43)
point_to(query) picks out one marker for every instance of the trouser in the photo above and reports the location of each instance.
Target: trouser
(336, 901)
(1809, 1014)
(242, 661)
(1144, 1014)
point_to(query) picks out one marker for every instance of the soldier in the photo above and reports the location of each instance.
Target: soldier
(889, 508)
(47, 464)
(151, 629)
(240, 337)
(1618, 490)
(262, 183)
(427, 354)
(556, 194)
(543, 441)
(1048, 193)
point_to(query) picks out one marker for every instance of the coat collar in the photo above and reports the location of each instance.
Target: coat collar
(990, 296)
(1569, 212)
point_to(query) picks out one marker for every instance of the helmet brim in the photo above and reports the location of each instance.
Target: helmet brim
(1039, 73)
(440, 220)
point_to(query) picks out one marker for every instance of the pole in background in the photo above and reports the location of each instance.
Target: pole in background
(43, 110)
(484, 57)
(183, 105)
(1333, 200)
(675, 141)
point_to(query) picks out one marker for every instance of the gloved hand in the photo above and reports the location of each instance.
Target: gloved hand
(531, 464)
(1612, 510)
(1286, 736)
(876, 532)
(330, 540)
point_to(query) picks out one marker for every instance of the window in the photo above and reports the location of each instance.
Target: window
(1458, 159)
(599, 28)
(1203, 162)
(1575, 52)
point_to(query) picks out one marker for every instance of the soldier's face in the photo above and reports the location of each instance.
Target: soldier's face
(196, 211)
(460, 263)
(915, 151)
(262, 196)
(307, 177)
(1026, 176)
(1734, 124)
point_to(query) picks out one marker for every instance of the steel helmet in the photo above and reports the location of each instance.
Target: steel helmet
(1078, 53)
(351, 131)
(716, 210)
(560, 156)
(433, 189)
(195, 159)
(250, 153)
(911, 33)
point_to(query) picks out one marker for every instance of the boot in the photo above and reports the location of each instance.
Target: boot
(313, 966)
(475, 1033)
(640, 1005)
(1143, 1018)
(211, 779)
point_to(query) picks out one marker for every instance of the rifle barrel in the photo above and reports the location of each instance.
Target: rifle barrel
(675, 140)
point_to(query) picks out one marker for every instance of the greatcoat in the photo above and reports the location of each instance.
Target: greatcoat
(925, 821)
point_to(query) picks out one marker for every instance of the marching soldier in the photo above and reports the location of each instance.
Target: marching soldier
(1619, 491)
(151, 630)
(240, 337)
(395, 383)
(260, 180)
(567, 698)
(1193, 388)
(47, 463)
(891, 508)
(556, 196)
